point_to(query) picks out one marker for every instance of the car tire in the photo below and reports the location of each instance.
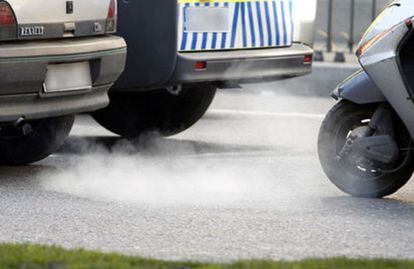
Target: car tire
(131, 114)
(45, 137)
(340, 121)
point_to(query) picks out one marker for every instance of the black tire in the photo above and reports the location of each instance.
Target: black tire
(343, 118)
(131, 114)
(46, 136)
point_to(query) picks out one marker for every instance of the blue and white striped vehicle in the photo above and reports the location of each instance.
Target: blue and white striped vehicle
(181, 51)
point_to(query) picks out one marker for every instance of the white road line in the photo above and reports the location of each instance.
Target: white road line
(266, 113)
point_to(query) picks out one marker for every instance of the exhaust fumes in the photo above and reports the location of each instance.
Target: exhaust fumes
(156, 175)
(238, 154)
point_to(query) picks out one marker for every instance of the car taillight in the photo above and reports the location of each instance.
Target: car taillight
(308, 59)
(200, 66)
(112, 17)
(8, 24)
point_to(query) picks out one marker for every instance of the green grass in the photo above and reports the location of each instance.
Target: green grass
(37, 257)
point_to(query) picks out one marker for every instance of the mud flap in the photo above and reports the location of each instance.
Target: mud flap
(359, 89)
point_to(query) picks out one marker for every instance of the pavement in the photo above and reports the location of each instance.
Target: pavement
(244, 182)
(321, 82)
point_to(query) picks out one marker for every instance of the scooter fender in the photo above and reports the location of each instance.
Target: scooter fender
(359, 89)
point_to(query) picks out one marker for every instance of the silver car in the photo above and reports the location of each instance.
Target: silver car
(57, 58)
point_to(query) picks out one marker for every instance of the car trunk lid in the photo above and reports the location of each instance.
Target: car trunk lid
(39, 19)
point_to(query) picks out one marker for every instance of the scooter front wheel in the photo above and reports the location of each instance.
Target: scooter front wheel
(346, 173)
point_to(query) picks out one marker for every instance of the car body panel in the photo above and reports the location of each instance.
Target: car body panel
(246, 24)
(304, 15)
(54, 11)
(60, 18)
(150, 32)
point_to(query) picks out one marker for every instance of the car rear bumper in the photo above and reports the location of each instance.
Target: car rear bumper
(31, 106)
(243, 65)
(23, 67)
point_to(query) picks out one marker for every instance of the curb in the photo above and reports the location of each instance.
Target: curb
(321, 82)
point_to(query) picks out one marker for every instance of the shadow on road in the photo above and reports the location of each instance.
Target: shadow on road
(388, 209)
(26, 176)
(154, 146)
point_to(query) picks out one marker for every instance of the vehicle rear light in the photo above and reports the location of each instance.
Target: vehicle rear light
(112, 17)
(367, 45)
(308, 59)
(200, 66)
(6, 14)
(409, 23)
(8, 23)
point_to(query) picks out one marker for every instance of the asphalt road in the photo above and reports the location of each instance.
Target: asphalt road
(244, 182)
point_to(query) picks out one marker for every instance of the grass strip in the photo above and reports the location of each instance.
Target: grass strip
(44, 257)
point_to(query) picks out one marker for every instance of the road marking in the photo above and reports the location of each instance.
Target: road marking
(266, 114)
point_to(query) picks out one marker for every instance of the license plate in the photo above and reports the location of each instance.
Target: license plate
(207, 19)
(68, 77)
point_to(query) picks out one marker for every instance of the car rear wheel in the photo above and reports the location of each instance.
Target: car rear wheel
(131, 114)
(31, 141)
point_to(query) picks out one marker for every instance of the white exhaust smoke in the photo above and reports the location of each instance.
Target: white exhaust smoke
(232, 157)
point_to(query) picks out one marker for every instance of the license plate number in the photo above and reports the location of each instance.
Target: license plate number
(68, 77)
(207, 19)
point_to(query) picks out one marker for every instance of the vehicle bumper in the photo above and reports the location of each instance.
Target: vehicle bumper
(23, 67)
(243, 65)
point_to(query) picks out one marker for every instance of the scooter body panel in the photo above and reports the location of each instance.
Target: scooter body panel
(359, 89)
(380, 62)
(394, 89)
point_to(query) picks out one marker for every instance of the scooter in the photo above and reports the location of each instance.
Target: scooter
(366, 141)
